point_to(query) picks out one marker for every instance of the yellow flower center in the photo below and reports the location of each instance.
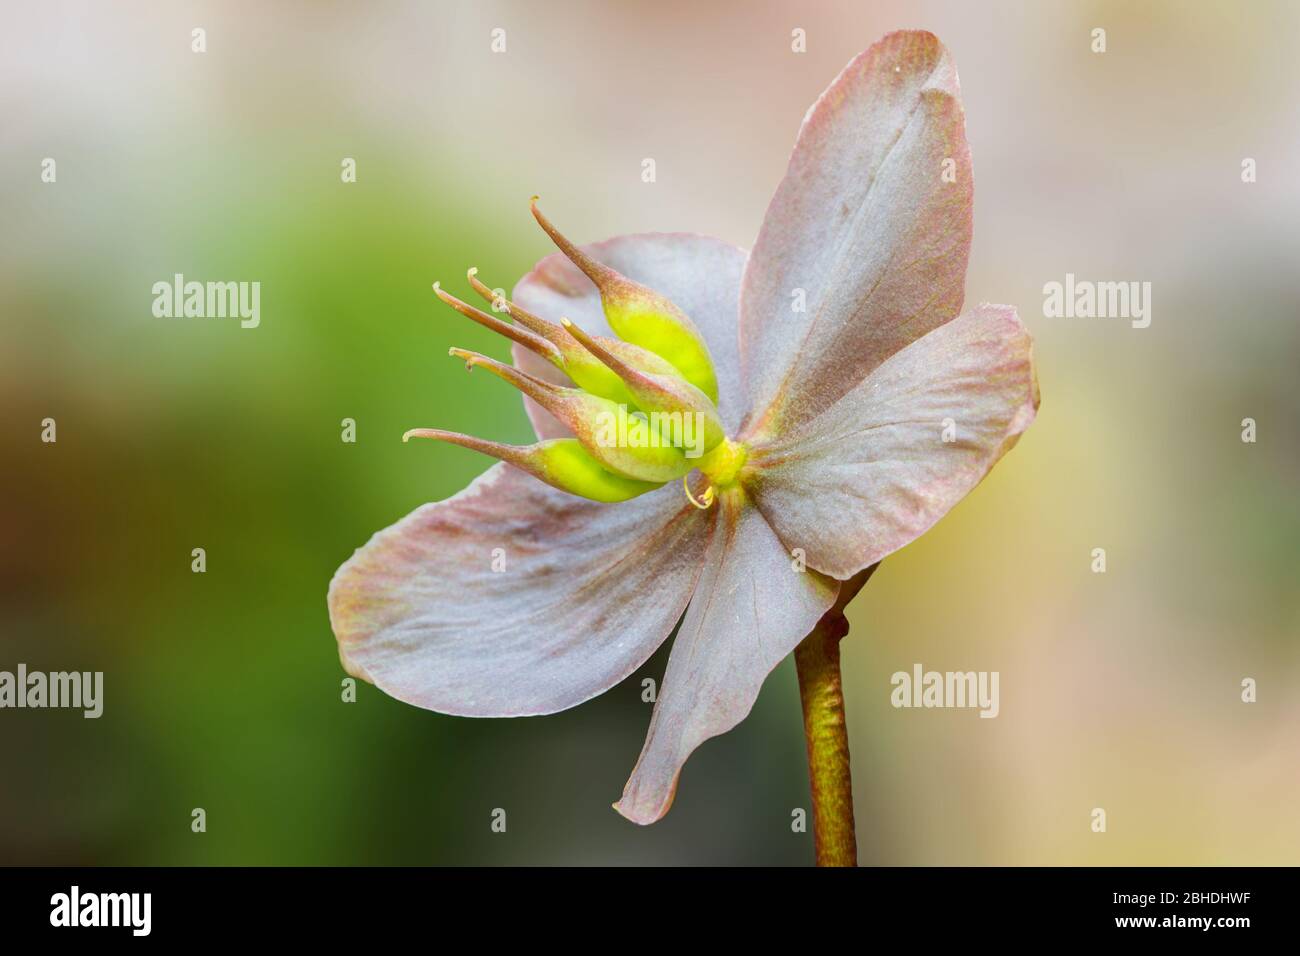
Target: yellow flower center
(723, 463)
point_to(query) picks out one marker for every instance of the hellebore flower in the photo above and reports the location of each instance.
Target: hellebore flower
(845, 403)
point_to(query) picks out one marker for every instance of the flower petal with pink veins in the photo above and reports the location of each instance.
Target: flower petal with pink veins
(700, 274)
(873, 471)
(750, 610)
(871, 226)
(587, 593)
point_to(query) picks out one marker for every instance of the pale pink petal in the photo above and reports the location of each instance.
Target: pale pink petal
(587, 593)
(865, 228)
(701, 275)
(873, 471)
(750, 610)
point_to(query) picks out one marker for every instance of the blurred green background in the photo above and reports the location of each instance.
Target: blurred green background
(1119, 690)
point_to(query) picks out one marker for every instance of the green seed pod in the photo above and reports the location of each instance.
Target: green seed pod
(560, 462)
(684, 415)
(642, 316)
(564, 351)
(613, 434)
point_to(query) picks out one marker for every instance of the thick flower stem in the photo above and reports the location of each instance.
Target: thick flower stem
(818, 662)
(817, 659)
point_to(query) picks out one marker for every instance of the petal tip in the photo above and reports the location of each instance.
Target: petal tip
(632, 811)
(626, 813)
